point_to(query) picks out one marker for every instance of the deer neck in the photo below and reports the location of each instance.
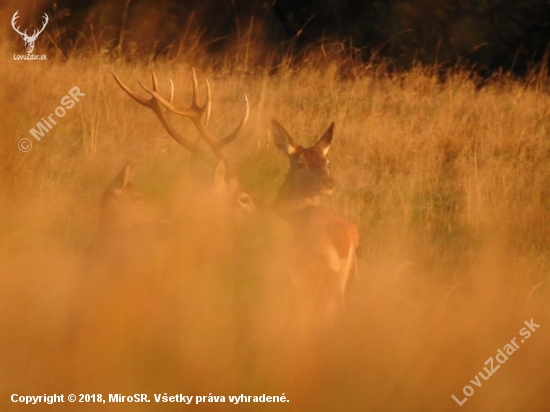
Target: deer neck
(289, 199)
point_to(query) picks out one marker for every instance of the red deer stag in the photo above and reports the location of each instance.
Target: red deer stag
(211, 210)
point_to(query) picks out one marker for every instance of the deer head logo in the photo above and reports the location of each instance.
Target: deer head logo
(29, 40)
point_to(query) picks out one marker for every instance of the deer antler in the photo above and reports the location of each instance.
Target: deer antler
(155, 106)
(195, 112)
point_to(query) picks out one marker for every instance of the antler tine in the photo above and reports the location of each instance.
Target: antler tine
(195, 100)
(226, 140)
(139, 99)
(206, 108)
(153, 104)
(154, 81)
(208, 103)
(171, 99)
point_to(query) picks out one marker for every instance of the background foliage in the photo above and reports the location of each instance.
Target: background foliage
(486, 35)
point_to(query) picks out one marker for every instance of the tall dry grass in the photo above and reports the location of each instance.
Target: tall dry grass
(446, 180)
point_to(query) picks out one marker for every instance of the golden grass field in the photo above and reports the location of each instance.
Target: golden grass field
(447, 181)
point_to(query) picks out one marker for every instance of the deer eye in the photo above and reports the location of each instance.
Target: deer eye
(328, 164)
(246, 201)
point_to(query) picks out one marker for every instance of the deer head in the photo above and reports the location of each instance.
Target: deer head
(308, 177)
(226, 182)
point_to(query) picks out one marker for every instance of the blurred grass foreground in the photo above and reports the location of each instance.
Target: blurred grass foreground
(448, 182)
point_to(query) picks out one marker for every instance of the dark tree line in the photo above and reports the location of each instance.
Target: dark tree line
(484, 34)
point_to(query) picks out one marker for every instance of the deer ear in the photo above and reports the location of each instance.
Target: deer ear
(282, 138)
(325, 140)
(124, 177)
